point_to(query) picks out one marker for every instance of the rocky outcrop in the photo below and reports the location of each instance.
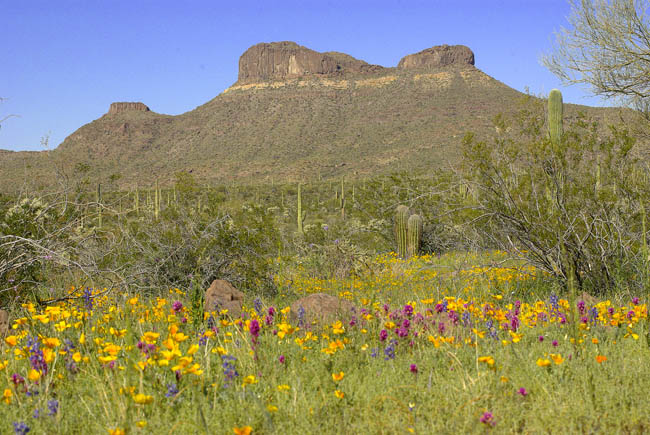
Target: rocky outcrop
(440, 55)
(124, 107)
(282, 60)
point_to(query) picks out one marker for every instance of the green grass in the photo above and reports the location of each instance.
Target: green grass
(451, 391)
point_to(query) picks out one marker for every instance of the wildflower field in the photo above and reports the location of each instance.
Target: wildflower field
(435, 344)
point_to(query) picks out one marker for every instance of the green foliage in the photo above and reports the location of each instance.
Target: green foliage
(568, 206)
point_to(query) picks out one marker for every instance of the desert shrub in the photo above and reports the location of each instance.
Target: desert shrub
(180, 248)
(573, 208)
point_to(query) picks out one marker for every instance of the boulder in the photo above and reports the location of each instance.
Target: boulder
(221, 295)
(438, 56)
(286, 59)
(321, 307)
(4, 323)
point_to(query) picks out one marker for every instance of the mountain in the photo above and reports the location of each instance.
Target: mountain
(294, 113)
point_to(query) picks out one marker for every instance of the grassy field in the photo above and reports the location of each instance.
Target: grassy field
(454, 343)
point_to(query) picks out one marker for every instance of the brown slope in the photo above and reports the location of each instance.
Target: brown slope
(295, 113)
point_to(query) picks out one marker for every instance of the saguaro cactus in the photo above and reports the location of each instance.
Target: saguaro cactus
(301, 214)
(342, 200)
(414, 235)
(401, 219)
(555, 108)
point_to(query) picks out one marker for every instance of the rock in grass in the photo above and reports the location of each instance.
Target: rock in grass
(221, 295)
(4, 323)
(321, 307)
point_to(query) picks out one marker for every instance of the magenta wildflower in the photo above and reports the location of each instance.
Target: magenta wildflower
(487, 418)
(635, 301)
(540, 338)
(254, 329)
(177, 306)
(383, 334)
(281, 359)
(522, 391)
(554, 343)
(414, 368)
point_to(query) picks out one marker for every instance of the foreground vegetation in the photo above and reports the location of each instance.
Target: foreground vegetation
(436, 345)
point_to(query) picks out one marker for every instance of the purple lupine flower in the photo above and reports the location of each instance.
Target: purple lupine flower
(301, 316)
(177, 306)
(20, 428)
(581, 307)
(389, 351)
(554, 301)
(257, 304)
(229, 369)
(406, 324)
(88, 299)
(52, 407)
(37, 413)
(172, 390)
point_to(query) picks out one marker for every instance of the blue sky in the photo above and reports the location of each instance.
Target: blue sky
(64, 62)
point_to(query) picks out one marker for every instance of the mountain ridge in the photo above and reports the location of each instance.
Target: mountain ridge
(293, 113)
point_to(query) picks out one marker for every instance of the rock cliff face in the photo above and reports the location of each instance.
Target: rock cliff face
(123, 107)
(440, 55)
(282, 60)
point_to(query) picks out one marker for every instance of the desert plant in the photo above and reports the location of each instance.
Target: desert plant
(401, 230)
(414, 235)
(537, 195)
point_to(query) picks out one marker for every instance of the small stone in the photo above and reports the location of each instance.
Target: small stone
(321, 307)
(221, 295)
(4, 323)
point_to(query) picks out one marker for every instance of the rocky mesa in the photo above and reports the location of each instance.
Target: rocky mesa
(286, 59)
(438, 56)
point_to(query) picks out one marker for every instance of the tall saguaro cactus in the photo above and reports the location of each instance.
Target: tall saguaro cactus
(342, 200)
(414, 235)
(401, 219)
(301, 214)
(555, 109)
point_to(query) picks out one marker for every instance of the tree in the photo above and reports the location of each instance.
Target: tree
(608, 49)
